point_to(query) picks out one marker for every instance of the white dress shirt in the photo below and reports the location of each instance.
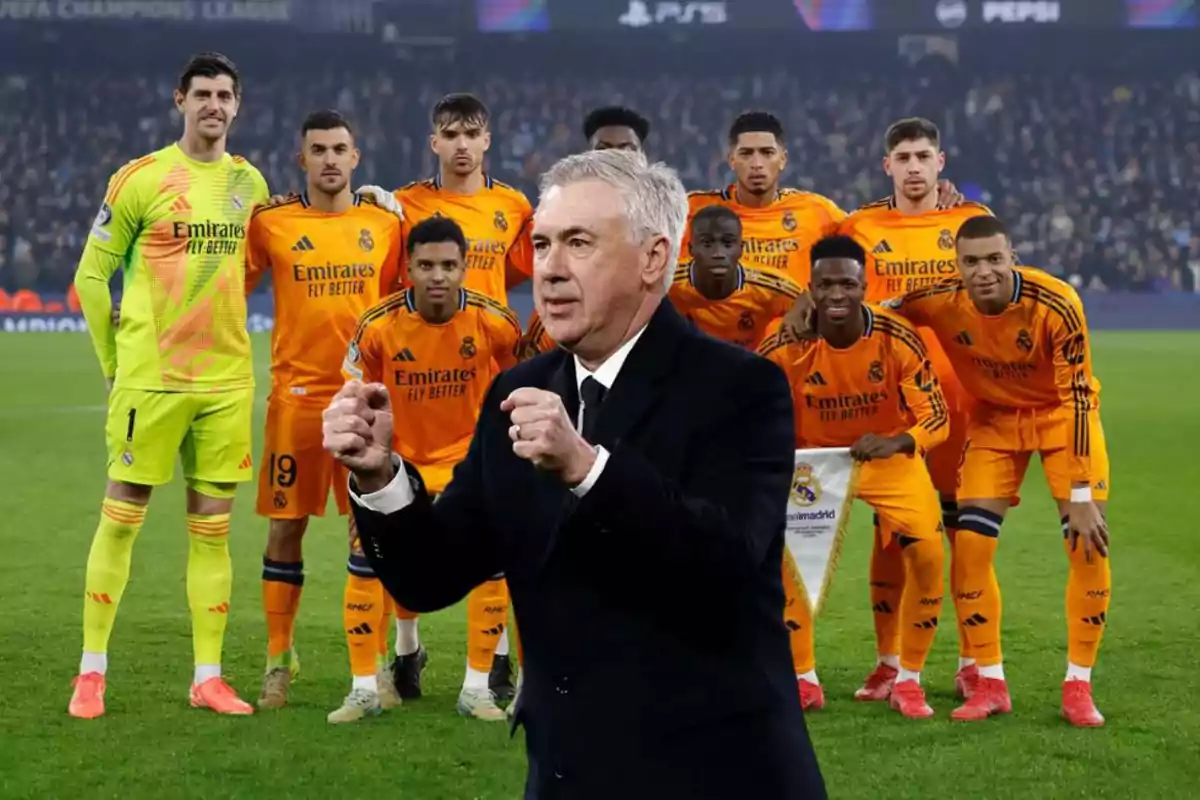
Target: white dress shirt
(399, 492)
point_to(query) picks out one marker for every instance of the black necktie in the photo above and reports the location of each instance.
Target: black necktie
(592, 392)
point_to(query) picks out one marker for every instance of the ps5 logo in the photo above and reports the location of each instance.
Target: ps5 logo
(639, 13)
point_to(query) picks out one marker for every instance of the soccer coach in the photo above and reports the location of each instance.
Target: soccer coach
(608, 479)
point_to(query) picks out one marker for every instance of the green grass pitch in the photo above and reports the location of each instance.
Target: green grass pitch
(152, 744)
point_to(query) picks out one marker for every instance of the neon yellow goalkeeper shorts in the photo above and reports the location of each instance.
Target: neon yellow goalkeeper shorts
(210, 432)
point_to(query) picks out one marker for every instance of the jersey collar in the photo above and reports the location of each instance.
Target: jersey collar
(305, 203)
(410, 299)
(437, 181)
(1017, 282)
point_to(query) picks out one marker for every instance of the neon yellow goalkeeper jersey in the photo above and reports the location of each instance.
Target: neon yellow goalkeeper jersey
(180, 227)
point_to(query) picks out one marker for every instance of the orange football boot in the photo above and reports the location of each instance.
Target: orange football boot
(878, 685)
(218, 695)
(909, 699)
(989, 696)
(812, 696)
(87, 701)
(1078, 708)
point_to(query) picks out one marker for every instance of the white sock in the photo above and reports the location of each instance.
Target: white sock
(475, 679)
(810, 676)
(994, 671)
(367, 682)
(407, 640)
(502, 644)
(891, 661)
(1078, 673)
(205, 672)
(93, 662)
(963, 663)
(908, 675)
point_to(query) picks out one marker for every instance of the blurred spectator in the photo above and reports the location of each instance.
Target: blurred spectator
(1095, 175)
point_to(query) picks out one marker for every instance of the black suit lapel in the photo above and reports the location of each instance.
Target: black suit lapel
(551, 502)
(641, 379)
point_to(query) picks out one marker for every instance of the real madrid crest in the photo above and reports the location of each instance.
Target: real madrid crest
(789, 221)
(875, 372)
(946, 239)
(746, 321)
(500, 221)
(1024, 341)
(468, 347)
(365, 241)
(806, 489)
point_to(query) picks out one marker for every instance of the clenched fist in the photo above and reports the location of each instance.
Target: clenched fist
(357, 429)
(543, 433)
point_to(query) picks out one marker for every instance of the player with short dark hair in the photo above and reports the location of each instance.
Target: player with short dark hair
(1018, 340)
(331, 255)
(868, 359)
(616, 127)
(178, 367)
(436, 347)
(718, 293)
(779, 224)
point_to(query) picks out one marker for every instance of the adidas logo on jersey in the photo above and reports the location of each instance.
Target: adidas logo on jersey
(404, 355)
(881, 248)
(181, 205)
(816, 379)
(305, 244)
(963, 338)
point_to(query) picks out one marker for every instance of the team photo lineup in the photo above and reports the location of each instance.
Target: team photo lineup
(945, 388)
(960, 365)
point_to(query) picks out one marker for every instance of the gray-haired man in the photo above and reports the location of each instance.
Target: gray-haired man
(606, 479)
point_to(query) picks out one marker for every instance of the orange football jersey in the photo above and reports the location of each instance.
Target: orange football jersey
(907, 251)
(777, 236)
(761, 296)
(437, 374)
(882, 384)
(495, 220)
(326, 271)
(1036, 354)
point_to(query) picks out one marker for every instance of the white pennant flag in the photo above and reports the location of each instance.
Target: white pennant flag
(823, 487)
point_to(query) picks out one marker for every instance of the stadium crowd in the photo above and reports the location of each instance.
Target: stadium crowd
(1092, 173)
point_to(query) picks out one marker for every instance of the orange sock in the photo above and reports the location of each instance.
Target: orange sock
(977, 603)
(487, 614)
(924, 560)
(797, 616)
(385, 623)
(887, 588)
(1089, 587)
(282, 584)
(362, 613)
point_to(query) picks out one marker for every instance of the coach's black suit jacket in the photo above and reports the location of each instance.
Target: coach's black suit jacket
(650, 610)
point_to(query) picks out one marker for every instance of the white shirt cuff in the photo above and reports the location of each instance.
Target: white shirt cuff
(396, 495)
(593, 474)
